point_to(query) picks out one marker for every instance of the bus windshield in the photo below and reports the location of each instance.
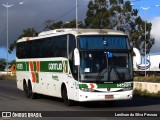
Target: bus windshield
(98, 64)
(103, 42)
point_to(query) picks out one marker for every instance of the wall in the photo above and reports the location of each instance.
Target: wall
(150, 87)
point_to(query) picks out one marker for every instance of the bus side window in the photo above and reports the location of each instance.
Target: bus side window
(72, 46)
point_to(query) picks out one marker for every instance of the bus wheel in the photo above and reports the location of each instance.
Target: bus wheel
(66, 101)
(31, 94)
(26, 90)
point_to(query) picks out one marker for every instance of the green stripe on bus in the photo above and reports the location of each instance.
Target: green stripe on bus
(107, 85)
(51, 66)
(35, 66)
(37, 77)
(27, 66)
(114, 85)
(21, 66)
(45, 66)
(83, 86)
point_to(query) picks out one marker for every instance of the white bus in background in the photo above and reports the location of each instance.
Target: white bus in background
(151, 64)
(76, 65)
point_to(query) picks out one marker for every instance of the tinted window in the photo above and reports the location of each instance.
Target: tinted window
(42, 48)
(103, 42)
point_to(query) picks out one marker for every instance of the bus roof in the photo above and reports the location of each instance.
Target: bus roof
(81, 31)
(75, 32)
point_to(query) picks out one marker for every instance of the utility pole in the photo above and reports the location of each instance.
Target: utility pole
(76, 14)
(7, 6)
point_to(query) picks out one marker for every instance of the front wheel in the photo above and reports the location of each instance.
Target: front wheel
(66, 101)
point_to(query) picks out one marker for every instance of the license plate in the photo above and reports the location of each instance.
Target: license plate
(109, 96)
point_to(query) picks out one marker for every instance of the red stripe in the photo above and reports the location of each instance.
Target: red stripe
(92, 86)
(33, 77)
(27, 39)
(31, 66)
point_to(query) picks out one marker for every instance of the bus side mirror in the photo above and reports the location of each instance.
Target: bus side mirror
(76, 57)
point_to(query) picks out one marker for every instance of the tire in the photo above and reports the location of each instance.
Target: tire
(26, 90)
(66, 101)
(31, 94)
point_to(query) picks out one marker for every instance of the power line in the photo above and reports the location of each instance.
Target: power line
(66, 13)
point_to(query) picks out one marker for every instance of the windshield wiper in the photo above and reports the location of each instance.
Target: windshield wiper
(100, 75)
(120, 76)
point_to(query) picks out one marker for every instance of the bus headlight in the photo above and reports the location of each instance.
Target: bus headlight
(87, 89)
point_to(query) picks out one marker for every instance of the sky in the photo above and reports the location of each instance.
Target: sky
(33, 13)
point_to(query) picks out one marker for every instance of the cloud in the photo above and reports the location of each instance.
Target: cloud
(155, 32)
(33, 13)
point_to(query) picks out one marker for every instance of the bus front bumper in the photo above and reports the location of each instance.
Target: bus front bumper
(105, 96)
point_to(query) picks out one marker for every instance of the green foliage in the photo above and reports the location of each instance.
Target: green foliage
(2, 64)
(50, 24)
(8, 77)
(29, 32)
(97, 14)
(147, 79)
(106, 14)
(145, 93)
(12, 46)
(119, 15)
(12, 62)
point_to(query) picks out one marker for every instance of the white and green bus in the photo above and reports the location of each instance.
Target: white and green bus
(76, 65)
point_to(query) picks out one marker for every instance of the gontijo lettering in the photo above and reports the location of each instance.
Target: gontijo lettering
(55, 66)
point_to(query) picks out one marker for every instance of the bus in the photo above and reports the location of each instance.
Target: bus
(76, 65)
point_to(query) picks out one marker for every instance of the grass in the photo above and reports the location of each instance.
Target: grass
(145, 93)
(7, 77)
(155, 79)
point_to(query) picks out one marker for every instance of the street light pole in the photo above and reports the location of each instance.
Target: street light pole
(76, 14)
(145, 9)
(7, 6)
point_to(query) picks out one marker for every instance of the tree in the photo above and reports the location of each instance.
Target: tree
(51, 25)
(2, 64)
(111, 14)
(29, 32)
(119, 15)
(97, 15)
(12, 62)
